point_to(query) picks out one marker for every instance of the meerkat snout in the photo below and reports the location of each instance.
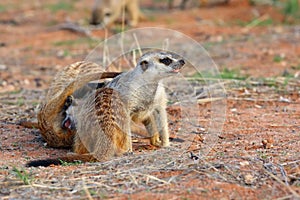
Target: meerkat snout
(176, 66)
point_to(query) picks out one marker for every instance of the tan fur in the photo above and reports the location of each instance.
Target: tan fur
(50, 115)
(103, 126)
(108, 11)
(103, 119)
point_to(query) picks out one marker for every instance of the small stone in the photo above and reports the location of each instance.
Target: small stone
(60, 54)
(3, 67)
(246, 92)
(38, 82)
(4, 83)
(249, 179)
(233, 110)
(282, 55)
(282, 99)
(258, 106)
(267, 143)
(244, 163)
(283, 63)
(26, 82)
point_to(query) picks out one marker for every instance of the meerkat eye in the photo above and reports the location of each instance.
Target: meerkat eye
(167, 61)
(107, 14)
(144, 64)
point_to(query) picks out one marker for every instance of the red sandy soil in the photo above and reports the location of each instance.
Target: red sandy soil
(256, 155)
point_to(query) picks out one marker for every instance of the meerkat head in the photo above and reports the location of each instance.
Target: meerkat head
(102, 12)
(160, 64)
(68, 120)
(106, 15)
(101, 15)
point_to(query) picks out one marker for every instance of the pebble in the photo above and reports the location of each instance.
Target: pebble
(26, 82)
(233, 110)
(282, 99)
(249, 179)
(60, 54)
(3, 67)
(244, 163)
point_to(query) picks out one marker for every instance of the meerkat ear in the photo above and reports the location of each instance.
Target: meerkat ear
(144, 64)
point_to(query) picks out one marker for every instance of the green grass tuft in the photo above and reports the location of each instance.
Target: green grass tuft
(89, 41)
(226, 73)
(64, 163)
(277, 59)
(2, 8)
(23, 175)
(60, 6)
(291, 7)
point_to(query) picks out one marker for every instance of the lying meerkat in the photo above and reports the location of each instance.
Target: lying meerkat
(108, 11)
(103, 120)
(52, 121)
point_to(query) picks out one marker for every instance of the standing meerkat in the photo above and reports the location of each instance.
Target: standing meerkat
(108, 11)
(103, 120)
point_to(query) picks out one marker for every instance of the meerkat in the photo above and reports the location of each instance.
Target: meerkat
(54, 123)
(108, 11)
(103, 120)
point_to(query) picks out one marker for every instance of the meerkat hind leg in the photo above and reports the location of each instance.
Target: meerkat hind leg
(134, 12)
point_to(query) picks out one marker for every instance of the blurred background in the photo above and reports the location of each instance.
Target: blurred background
(254, 37)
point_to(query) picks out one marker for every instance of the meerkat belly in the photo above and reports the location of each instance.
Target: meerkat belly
(144, 109)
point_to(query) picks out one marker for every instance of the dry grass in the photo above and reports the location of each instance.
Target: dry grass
(169, 171)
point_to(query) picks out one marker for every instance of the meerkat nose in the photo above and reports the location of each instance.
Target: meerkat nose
(181, 62)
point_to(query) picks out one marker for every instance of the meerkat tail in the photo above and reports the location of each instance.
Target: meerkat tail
(61, 161)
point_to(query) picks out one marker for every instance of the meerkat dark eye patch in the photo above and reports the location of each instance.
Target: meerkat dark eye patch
(166, 61)
(144, 64)
(107, 14)
(68, 102)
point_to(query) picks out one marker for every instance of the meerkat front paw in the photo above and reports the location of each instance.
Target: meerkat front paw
(165, 143)
(129, 153)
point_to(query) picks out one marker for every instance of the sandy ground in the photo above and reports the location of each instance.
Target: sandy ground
(255, 156)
